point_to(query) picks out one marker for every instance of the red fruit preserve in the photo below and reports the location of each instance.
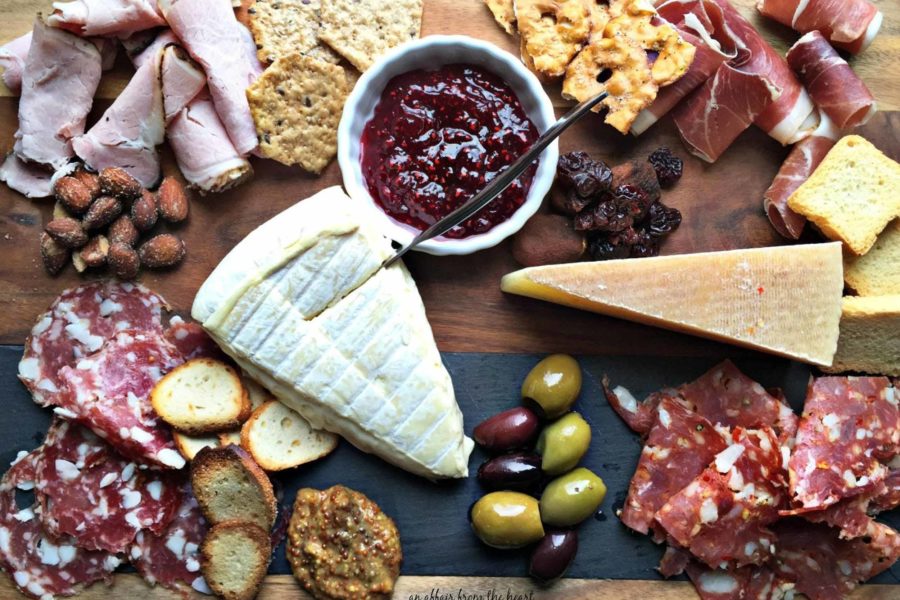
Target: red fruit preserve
(437, 137)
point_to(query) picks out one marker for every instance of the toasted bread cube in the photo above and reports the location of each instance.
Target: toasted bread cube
(201, 396)
(870, 336)
(852, 195)
(877, 273)
(279, 438)
(229, 486)
(234, 558)
(190, 445)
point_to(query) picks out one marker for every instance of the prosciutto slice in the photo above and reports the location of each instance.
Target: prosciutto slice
(832, 84)
(61, 74)
(213, 37)
(106, 17)
(848, 24)
(129, 131)
(805, 156)
(12, 59)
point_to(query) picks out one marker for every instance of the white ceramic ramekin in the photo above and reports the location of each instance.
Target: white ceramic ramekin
(428, 53)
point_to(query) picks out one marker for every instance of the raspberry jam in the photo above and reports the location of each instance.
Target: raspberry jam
(437, 137)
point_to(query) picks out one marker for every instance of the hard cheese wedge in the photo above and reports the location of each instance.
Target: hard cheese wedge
(303, 306)
(785, 300)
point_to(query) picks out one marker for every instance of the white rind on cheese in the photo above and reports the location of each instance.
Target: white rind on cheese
(303, 306)
(785, 300)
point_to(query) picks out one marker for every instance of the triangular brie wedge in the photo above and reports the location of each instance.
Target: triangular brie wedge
(303, 305)
(785, 300)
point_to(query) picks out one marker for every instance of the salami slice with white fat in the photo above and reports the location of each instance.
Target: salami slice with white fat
(99, 499)
(77, 324)
(721, 517)
(639, 416)
(171, 558)
(746, 583)
(109, 392)
(849, 425)
(39, 565)
(680, 445)
(192, 341)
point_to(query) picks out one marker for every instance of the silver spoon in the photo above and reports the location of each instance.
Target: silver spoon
(502, 180)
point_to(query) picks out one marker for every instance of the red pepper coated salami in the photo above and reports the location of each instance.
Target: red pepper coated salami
(77, 324)
(680, 445)
(848, 424)
(42, 566)
(721, 517)
(99, 499)
(171, 558)
(109, 391)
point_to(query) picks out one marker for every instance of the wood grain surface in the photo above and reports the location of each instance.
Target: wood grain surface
(721, 204)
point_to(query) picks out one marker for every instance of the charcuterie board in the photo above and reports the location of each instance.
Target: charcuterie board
(488, 340)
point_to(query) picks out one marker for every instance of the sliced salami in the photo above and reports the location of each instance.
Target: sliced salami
(171, 559)
(746, 583)
(39, 565)
(191, 340)
(823, 566)
(109, 392)
(96, 497)
(673, 562)
(77, 324)
(890, 498)
(680, 445)
(639, 416)
(721, 517)
(848, 424)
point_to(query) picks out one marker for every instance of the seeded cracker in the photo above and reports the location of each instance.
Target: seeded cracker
(284, 26)
(363, 30)
(296, 105)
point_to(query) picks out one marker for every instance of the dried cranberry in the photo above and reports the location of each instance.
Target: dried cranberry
(662, 220)
(587, 177)
(610, 215)
(668, 167)
(633, 199)
(646, 245)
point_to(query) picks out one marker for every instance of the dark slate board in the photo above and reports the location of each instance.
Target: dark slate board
(432, 517)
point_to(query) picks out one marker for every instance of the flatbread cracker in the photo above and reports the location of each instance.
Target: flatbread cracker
(282, 27)
(363, 30)
(504, 13)
(296, 105)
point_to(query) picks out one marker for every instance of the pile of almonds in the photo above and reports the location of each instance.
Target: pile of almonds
(99, 218)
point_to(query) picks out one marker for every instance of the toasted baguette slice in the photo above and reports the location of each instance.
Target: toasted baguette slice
(234, 558)
(258, 394)
(870, 336)
(279, 438)
(190, 445)
(878, 272)
(232, 436)
(230, 486)
(201, 396)
(852, 194)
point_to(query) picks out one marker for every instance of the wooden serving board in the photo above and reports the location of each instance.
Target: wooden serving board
(721, 204)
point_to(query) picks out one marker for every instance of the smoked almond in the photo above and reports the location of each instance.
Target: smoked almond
(72, 194)
(160, 251)
(53, 254)
(118, 183)
(102, 212)
(67, 231)
(94, 253)
(123, 230)
(89, 180)
(172, 200)
(145, 211)
(123, 260)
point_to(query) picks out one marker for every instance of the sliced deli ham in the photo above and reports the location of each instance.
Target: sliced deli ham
(800, 163)
(106, 17)
(30, 179)
(832, 84)
(12, 58)
(848, 24)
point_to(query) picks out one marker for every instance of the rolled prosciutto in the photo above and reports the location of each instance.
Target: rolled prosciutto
(61, 74)
(211, 34)
(832, 84)
(106, 17)
(848, 24)
(129, 131)
(12, 59)
(805, 156)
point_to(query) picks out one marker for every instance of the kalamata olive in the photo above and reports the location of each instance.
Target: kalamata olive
(563, 443)
(572, 498)
(509, 430)
(551, 558)
(507, 519)
(553, 385)
(519, 471)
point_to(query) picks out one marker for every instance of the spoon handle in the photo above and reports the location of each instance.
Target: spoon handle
(502, 180)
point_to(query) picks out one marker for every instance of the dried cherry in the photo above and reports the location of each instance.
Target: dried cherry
(587, 177)
(662, 220)
(668, 167)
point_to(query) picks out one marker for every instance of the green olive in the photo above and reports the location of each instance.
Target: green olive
(507, 520)
(572, 498)
(552, 385)
(563, 443)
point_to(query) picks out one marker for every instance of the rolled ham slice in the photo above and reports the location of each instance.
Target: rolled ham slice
(31, 180)
(61, 74)
(803, 159)
(143, 46)
(832, 84)
(213, 37)
(129, 131)
(848, 24)
(106, 17)
(12, 59)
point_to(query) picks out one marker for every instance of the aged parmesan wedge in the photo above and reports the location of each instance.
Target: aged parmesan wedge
(784, 300)
(304, 307)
